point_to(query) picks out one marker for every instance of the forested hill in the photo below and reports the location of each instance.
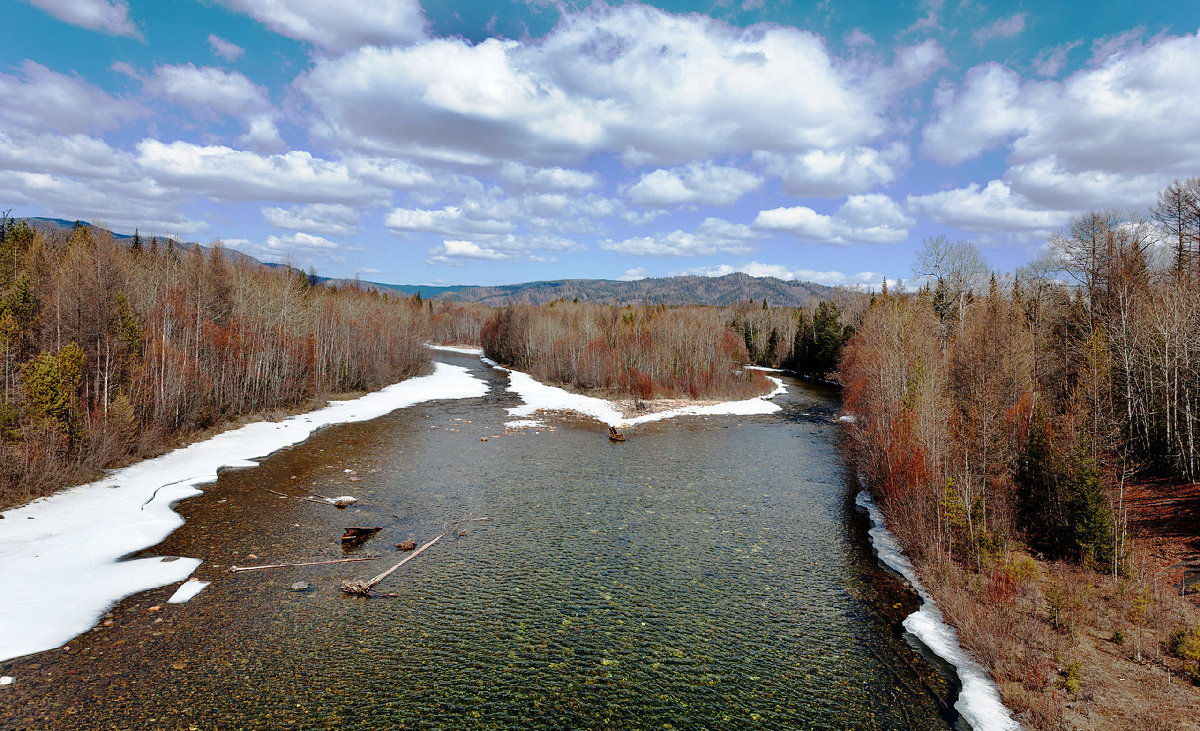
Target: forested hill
(689, 290)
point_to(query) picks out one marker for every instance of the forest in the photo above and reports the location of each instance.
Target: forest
(118, 350)
(655, 351)
(1000, 418)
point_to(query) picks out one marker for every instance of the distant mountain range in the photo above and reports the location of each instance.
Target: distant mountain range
(685, 290)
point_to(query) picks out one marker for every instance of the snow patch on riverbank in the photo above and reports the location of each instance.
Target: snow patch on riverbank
(60, 566)
(979, 699)
(539, 396)
(456, 349)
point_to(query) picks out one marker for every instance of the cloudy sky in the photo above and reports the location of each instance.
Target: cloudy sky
(505, 141)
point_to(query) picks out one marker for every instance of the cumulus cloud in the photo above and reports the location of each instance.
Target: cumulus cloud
(224, 49)
(833, 173)
(455, 252)
(208, 88)
(106, 16)
(516, 176)
(1050, 61)
(339, 26)
(713, 236)
(697, 183)
(1009, 27)
(316, 217)
(869, 219)
(451, 220)
(223, 173)
(296, 249)
(631, 80)
(41, 99)
(634, 274)
(1128, 120)
(995, 208)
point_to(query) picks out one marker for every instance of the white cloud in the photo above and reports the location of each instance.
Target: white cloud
(106, 16)
(467, 250)
(208, 88)
(1009, 27)
(451, 220)
(1050, 61)
(631, 80)
(984, 113)
(41, 100)
(633, 275)
(316, 217)
(498, 248)
(339, 26)
(713, 236)
(555, 179)
(299, 249)
(833, 173)
(871, 219)
(390, 173)
(262, 135)
(697, 183)
(224, 49)
(223, 173)
(1120, 128)
(992, 209)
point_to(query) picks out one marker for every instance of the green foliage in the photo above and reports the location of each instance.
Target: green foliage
(128, 327)
(1068, 679)
(819, 347)
(52, 385)
(1060, 500)
(1118, 637)
(1185, 644)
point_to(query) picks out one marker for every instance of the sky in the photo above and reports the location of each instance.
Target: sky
(517, 140)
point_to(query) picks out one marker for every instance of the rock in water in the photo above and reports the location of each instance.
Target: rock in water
(406, 545)
(300, 586)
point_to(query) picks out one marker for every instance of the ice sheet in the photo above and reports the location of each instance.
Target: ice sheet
(456, 349)
(979, 699)
(70, 544)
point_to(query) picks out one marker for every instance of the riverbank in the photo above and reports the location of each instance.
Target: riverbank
(75, 539)
(1072, 648)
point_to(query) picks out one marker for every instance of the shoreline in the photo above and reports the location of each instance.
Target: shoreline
(131, 509)
(623, 412)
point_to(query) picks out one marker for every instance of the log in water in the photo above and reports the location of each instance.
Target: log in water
(705, 573)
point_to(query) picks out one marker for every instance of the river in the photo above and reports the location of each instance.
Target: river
(707, 573)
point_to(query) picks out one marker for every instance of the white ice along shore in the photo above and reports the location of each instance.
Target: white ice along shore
(60, 566)
(979, 699)
(538, 395)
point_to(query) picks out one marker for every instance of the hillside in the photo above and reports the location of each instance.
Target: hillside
(686, 290)
(697, 290)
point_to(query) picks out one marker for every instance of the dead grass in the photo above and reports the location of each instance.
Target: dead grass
(1028, 621)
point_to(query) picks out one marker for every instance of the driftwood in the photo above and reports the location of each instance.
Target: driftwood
(276, 492)
(235, 569)
(357, 535)
(363, 588)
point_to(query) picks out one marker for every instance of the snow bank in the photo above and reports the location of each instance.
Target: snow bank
(537, 395)
(979, 700)
(71, 543)
(455, 349)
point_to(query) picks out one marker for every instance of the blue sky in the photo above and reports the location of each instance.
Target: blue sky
(484, 143)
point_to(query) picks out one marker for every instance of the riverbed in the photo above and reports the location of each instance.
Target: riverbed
(709, 572)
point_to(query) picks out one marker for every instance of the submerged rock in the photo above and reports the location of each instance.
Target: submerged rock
(300, 586)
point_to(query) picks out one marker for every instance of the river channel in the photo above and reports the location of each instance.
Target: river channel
(707, 573)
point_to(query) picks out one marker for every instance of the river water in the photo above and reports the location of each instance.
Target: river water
(707, 573)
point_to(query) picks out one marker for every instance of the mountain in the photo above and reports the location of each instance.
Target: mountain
(686, 290)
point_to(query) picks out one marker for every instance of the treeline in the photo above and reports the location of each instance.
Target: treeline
(806, 340)
(992, 409)
(113, 350)
(644, 352)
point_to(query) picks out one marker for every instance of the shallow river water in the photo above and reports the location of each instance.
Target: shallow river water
(707, 573)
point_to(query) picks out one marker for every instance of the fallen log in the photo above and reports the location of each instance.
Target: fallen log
(235, 569)
(363, 588)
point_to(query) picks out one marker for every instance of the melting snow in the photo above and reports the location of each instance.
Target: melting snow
(187, 590)
(72, 542)
(979, 699)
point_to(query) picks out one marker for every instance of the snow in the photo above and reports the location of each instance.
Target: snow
(848, 418)
(72, 542)
(539, 396)
(524, 424)
(187, 590)
(456, 349)
(7, 680)
(979, 699)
